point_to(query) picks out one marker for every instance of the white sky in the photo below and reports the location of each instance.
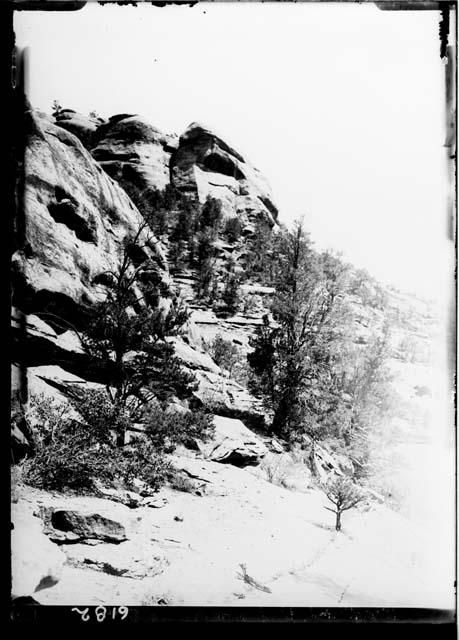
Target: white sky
(341, 106)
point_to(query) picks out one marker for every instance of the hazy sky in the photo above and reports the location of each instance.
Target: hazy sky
(341, 106)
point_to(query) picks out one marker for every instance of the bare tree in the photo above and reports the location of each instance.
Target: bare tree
(344, 494)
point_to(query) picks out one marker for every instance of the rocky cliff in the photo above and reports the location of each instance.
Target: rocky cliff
(203, 164)
(75, 218)
(88, 183)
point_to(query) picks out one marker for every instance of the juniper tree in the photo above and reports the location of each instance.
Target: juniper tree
(344, 494)
(231, 283)
(295, 355)
(366, 381)
(126, 336)
(206, 265)
(233, 229)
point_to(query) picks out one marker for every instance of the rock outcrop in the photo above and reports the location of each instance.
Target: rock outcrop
(204, 165)
(75, 221)
(136, 155)
(83, 127)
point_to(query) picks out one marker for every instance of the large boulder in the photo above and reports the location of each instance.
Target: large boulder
(234, 444)
(72, 525)
(136, 155)
(204, 165)
(36, 562)
(75, 221)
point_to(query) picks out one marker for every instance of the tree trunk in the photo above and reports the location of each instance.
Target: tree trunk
(312, 459)
(280, 419)
(120, 438)
(338, 521)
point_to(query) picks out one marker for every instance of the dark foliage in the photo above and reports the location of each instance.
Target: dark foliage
(127, 335)
(72, 451)
(166, 428)
(232, 230)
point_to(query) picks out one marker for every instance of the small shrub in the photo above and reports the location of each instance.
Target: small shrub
(229, 357)
(167, 428)
(68, 452)
(102, 416)
(56, 108)
(181, 482)
(67, 463)
(252, 303)
(71, 451)
(232, 230)
(275, 470)
(139, 460)
(224, 353)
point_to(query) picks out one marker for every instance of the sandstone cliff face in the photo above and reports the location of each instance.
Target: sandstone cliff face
(204, 164)
(83, 127)
(136, 154)
(200, 164)
(76, 218)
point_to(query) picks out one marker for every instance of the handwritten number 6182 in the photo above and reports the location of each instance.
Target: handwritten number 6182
(102, 612)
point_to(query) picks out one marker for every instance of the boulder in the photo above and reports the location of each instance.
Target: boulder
(36, 562)
(234, 444)
(75, 221)
(204, 165)
(68, 525)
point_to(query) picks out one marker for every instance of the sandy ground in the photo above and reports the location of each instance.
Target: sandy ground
(286, 541)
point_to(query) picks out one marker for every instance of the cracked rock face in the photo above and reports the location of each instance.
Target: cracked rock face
(204, 165)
